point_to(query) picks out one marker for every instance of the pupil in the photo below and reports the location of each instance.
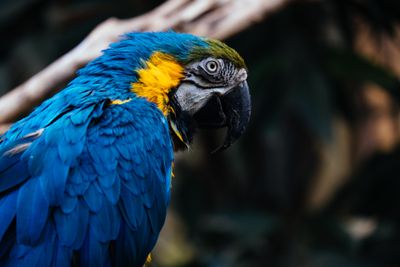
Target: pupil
(212, 66)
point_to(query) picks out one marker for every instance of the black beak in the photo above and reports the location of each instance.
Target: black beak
(231, 110)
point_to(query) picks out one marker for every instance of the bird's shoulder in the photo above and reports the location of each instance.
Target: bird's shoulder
(131, 131)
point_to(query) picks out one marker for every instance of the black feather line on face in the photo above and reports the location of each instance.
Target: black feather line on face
(184, 123)
(203, 80)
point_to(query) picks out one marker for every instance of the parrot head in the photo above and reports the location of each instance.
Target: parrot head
(196, 82)
(213, 93)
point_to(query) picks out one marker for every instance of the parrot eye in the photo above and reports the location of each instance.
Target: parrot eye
(212, 66)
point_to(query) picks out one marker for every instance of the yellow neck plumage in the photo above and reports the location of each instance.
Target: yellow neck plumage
(161, 73)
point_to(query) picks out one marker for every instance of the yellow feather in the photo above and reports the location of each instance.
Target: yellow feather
(148, 260)
(160, 75)
(119, 101)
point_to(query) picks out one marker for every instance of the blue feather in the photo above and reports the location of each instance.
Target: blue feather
(131, 183)
(75, 176)
(68, 153)
(15, 174)
(69, 203)
(75, 190)
(103, 170)
(71, 227)
(93, 198)
(19, 250)
(126, 248)
(74, 134)
(54, 177)
(93, 253)
(32, 212)
(6, 244)
(106, 222)
(132, 208)
(80, 116)
(37, 256)
(8, 205)
(62, 256)
(125, 151)
(106, 178)
(113, 193)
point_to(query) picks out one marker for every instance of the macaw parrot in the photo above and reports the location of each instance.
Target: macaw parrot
(85, 178)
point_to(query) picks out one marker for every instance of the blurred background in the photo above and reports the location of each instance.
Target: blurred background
(315, 181)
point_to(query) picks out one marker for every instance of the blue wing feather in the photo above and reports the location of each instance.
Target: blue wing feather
(93, 252)
(71, 227)
(6, 244)
(32, 212)
(106, 222)
(132, 208)
(62, 256)
(69, 203)
(8, 206)
(94, 175)
(93, 198)
(113, 193)
(13, 176)
(39, 255)
(126, 248)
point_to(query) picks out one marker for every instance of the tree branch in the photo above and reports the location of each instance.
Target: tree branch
(218, 19)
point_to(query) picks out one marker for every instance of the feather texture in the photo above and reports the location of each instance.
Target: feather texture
(92, 193)
(85, 178)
